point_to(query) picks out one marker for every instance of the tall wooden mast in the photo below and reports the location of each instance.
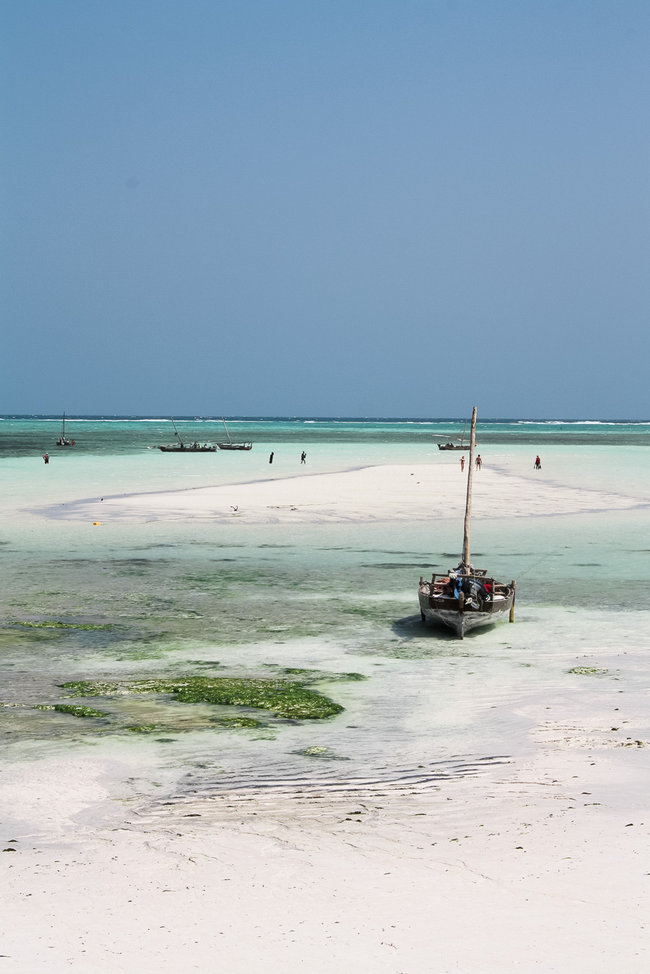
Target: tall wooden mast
(176, 433)
(468, 502)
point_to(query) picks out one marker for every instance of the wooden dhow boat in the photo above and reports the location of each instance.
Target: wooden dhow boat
(455, 444)
(233, 444)
(466, 598)
(64, 440)
(180, 446)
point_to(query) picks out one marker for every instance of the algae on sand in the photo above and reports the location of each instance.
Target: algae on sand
(284, 698)
(588, 670)
(74, 710)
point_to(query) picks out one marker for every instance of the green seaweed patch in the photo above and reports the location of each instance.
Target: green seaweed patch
(281, 697)
(57, 624)
(236, 722)
(78, 711)
(145, 728)
(588, 670)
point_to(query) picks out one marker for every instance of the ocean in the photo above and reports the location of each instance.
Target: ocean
(332, 605)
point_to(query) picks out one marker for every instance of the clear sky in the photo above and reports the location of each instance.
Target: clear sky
(326, 207)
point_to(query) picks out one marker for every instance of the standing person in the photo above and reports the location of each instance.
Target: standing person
(271, 458)
(479, 462)
(46, 457)
(538, 463)
(462, 464)
(303, 456)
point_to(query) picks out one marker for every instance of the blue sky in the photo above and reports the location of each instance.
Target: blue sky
(386, 208)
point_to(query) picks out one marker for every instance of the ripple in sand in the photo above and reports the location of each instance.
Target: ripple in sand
(324, 782)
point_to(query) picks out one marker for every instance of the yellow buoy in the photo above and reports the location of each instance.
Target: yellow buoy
(97, 522)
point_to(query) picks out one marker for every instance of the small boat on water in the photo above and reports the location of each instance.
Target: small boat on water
(64, 440)
(455, 444)
(180, 446)
(231, 444)
(452, 445)
(466, 598)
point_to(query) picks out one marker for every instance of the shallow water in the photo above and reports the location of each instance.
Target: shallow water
(154, 600)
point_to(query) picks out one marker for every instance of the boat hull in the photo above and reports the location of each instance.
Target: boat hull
(235, 446)
(462, 618)
(174, 448)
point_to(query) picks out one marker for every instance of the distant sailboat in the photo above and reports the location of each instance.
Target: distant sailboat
(64, 440)
(232, 444)
(465, 598)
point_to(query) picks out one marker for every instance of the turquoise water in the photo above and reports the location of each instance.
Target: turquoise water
(29, 435)
(158, 599)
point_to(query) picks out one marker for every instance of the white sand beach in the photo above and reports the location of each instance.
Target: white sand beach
(387, 493)
(536, 862)
(542, 867)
